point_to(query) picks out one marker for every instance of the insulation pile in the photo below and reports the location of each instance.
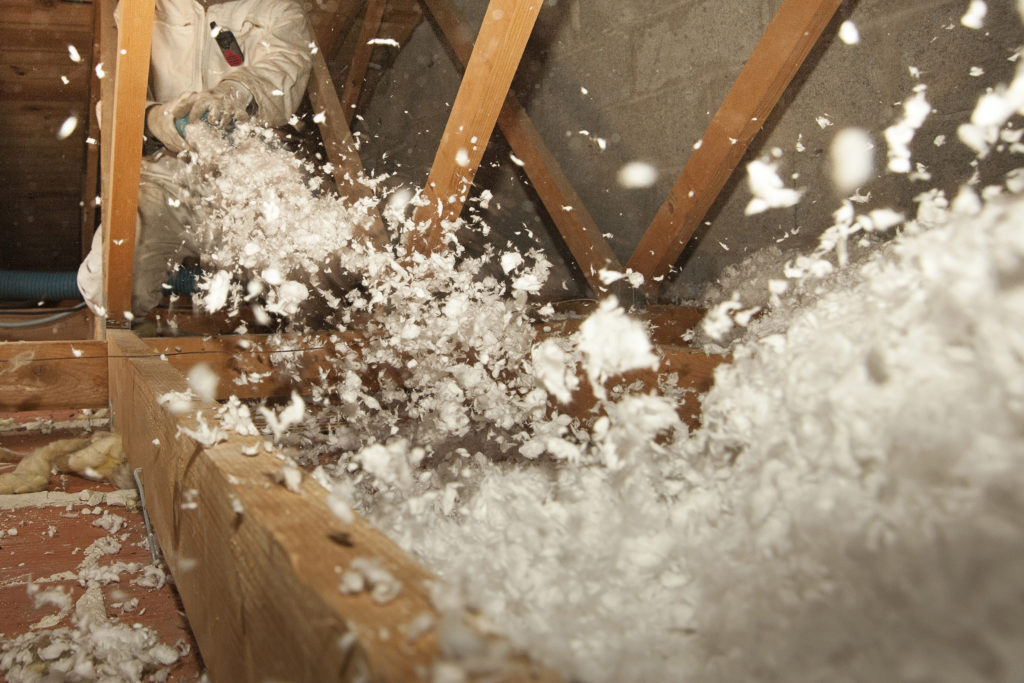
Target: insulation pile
(850, 509)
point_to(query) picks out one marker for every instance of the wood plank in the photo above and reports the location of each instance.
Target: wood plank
(32, 76)
(49, 375)
(108, 58)
(37, 231)
(44, 37)
(91, 170)
(361, 57)
(496, 54)
(577, 227)
(789, 38)
(666, 325)
(35, 123)
(236, 356)
(341, 148)
(47, 13)
(258, 565)
(692, 369)
(119, 215)
(77, 325)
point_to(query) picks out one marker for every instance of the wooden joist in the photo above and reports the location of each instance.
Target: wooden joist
(788, 39)
(361, 57)
(496, 53)
(258, 564)
(125, 128)
(73, 374)
(576, 226)
(52, 375)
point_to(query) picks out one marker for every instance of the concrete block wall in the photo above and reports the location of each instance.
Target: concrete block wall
(648, 76)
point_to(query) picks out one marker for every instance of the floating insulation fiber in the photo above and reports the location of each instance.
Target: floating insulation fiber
(850, 509)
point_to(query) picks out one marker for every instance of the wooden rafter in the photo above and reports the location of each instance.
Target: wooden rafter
(785, 45)
(575, 224)
(125, 128)
(341, 148)
(496, 53)
(361, 57)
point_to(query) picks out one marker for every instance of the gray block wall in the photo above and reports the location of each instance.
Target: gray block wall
(648, 76)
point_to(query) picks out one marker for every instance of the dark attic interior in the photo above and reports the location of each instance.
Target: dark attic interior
(518, 340)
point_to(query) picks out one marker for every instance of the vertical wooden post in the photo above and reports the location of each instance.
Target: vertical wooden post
(92, 157)
(499, 47)
(361, 57)
(787, 41)
(126, 129)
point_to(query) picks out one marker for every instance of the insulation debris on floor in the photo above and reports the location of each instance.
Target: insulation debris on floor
(80, 597)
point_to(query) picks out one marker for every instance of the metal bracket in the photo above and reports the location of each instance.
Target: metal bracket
(150, 538)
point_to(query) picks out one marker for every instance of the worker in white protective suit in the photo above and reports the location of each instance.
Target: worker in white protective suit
(222, 61)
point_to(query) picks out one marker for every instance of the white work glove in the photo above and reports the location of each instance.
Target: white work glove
(160, 121)
(225, 103)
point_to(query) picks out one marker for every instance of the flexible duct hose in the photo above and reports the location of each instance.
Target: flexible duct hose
(27, 285)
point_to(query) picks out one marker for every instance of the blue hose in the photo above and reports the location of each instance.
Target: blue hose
(27, 285)
(19, 285)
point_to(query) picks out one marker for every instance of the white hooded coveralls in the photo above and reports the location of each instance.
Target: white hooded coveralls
(274, 38)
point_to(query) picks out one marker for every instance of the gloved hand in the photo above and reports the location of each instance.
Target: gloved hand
(160, 121)
(225, 103)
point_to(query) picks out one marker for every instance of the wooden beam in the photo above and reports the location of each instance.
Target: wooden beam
(666, 325)
(786, 43)
(498, 48)
(52, 375)
(125, 140)
(576, 226)
(694, 370)
(92, 157)
(361, 57)
(74, 325)
(258, 565)
(108, 60)
(62, 374)
(341, 148)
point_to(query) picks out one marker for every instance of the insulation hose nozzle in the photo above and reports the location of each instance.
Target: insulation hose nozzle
(181, 122)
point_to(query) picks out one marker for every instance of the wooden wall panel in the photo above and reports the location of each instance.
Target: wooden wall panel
(40, 173)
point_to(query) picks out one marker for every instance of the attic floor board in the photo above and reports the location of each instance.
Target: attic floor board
(48, 550)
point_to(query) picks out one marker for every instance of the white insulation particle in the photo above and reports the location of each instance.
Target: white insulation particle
(899, 135)
(974, 17)
(852, 155)
(203, 381)
(767, 188)
(73, 54)
(68, 127)
(848, 33)
(636, 175)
